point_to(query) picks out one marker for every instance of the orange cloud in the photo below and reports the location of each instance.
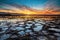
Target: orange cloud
(26, 11)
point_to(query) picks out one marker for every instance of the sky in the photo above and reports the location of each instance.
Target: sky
(34, 4)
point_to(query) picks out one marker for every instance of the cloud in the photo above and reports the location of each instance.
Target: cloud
(21, 9)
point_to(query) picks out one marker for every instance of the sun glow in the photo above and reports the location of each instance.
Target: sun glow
(28, 12)
(31, 11)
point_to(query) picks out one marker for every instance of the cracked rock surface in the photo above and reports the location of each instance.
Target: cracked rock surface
(30, 30)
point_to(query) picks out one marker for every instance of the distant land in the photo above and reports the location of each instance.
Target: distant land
(4, 15)
(21, 14)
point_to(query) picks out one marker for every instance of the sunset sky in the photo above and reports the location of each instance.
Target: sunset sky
(30, 6)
